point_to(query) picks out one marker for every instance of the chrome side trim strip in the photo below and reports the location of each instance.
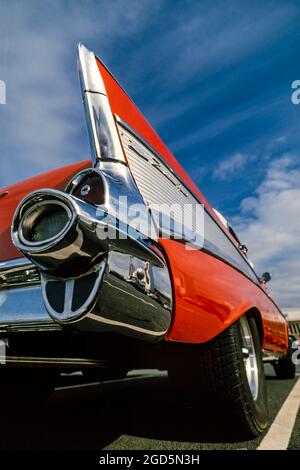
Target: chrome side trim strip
(53, 361)
(152, 150)
(157, 155)
(15, 263)
(215, 240)
(17, 273)
(45, 326)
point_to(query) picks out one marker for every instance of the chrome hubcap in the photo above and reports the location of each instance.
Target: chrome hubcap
(249, 356)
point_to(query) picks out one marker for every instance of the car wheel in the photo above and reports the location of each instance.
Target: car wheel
(227, 372)
(285, 368)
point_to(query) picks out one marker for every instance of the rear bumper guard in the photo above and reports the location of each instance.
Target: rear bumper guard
(80, 278)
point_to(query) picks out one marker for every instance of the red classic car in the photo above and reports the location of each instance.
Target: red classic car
(98, 275)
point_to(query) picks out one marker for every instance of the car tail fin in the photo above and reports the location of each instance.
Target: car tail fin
(106, 103)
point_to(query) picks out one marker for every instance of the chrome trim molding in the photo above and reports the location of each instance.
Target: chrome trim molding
(53, 361)
(17, 273)
(21, 302)
(132, 293)
(34, 207)
(68, 314)
(15, 263)
(89, 73)
(27, 327)
(152, 150)
(83, 242)
(103, 135)
(157, 182)
(134, 297)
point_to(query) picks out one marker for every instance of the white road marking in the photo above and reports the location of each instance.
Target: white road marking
(279, 434)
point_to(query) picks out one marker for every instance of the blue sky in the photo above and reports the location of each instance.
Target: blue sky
(213, 78)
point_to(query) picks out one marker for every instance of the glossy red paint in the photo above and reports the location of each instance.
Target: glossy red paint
(15, 193)
(124, 107)
(3, 194)
(210, 295)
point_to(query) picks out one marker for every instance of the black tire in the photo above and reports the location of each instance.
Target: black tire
(215, 374)
(26, 386)
(285, 368)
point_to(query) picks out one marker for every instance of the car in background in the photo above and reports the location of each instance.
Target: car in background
(293, 317)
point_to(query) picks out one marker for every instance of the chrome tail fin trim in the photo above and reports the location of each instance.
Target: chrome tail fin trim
(103, 135)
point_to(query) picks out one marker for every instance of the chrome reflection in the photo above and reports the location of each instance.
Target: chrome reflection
(249, 356)
(132, 293)
(44, 222)
(18, 273)
(135, 298)
(131, 296)
(67, 312)
(103, 135)
(22, 309)
(91, 231)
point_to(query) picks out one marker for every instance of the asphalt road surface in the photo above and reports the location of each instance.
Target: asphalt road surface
(138, 412)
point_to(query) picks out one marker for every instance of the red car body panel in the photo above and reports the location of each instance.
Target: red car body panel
(207, 291)
(123, 106)
(209, 294)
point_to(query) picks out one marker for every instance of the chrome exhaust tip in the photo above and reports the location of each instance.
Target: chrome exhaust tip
(51, 229)
(43, 222)
(98, 271)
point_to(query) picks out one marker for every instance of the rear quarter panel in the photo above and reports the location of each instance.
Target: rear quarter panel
(209, 294)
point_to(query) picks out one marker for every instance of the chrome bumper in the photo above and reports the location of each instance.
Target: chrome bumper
(83, 280)
(122, 302)
(89, 269)
(21, 302)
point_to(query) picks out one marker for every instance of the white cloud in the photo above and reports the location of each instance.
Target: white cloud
(232, 166)
(269, 223)
(42, 124)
